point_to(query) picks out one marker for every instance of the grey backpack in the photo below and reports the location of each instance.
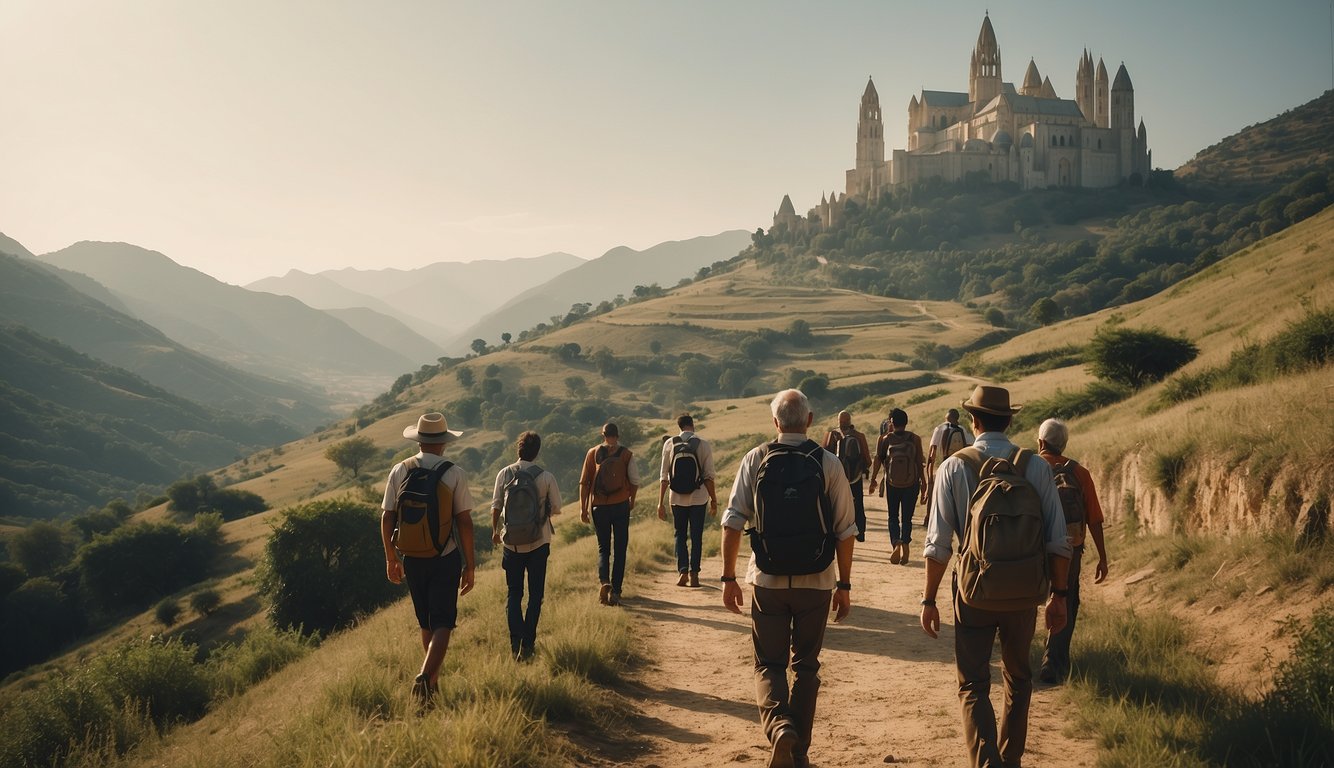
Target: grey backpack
(523, 513)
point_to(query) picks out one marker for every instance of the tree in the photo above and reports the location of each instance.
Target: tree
(506, 337)
(576, 386)
(465, 377)
(138, 563)
(321, 569)
(192, 495)
(799, 332)
(994, 316)
(1045, 311)
(351, 455)
(41, 549)
(1136, 357)
(814, 386)
(167, 611)
(205, 601)
(655, 347)
(478, 346)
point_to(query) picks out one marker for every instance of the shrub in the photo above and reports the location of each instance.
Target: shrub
(264, 650)
(205, 601)
(138, 563)
(167, 611)
(323, 566)
(352, 455)
(41, 549)
(1167, 466)
(1137, 358)
(1070, 405)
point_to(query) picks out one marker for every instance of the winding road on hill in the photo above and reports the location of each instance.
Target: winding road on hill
(888, 693)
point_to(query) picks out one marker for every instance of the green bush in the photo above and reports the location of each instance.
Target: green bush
(265, 650)
(324, 565)
(1137, 358)
(1167, 466)
(1069, 405)
(136, 564)
(205, 601)
(167, 611)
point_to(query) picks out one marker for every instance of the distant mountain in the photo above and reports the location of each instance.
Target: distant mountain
(436, 300)
(271, 335)
(1288, 145)
(38, 296)
(617, 271)
(322, 292)
(76, 432)
(13, 247)
(389, 332)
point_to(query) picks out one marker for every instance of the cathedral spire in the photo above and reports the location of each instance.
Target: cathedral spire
(984, 75)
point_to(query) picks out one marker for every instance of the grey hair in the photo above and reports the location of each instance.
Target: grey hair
(1055, 434)
(791, 409)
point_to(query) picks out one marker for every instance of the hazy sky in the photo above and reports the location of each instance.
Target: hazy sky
(248, 137)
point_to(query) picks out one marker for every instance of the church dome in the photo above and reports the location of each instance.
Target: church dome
(1003, 139)
(1122, 81)
(1032, 80)
(1026, 142)
(976, 145)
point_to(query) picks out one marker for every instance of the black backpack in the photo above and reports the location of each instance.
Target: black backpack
(684, 474)
(793, 530)
(849, 451)
(425, 511)
(524, 512)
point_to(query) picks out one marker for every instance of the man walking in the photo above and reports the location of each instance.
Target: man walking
(948, 436)
(900, 453)
(1083, 518)
(955, 496)
(438, 568)
(687, 471)
(524, 500)
(607, 487)
(785, 490)
(851, 448)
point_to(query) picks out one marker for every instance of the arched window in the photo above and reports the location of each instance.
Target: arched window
(1099, 143)
(1063, 141)
(1053, 141)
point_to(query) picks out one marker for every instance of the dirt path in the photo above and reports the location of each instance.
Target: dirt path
(888, 691)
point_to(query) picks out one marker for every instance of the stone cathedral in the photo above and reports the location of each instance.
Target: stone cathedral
(1029, 136)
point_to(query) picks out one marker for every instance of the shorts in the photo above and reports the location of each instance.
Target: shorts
(433, 583)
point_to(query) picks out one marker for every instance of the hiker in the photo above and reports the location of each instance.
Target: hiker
(948, 437)
(427, 519)
(607, 487)
(1083, 519)
(1030, 536)
(790, 491)
(687, 471)
(851, 448)
(524, 500)
(900, 453)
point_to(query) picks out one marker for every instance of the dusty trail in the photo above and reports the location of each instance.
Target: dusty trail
(888, 691)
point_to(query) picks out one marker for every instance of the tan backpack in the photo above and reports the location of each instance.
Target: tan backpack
(1003, 558)
(901, 459)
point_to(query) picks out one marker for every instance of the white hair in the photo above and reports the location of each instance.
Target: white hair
(791, 409)
(1055, 434)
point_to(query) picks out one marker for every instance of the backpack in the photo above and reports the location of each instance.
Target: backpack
(523, 512)
(793, 531)
(1003, 558)
(610, 476)
(849, 451)
(952, 441)
(684, 474)
(900, 460)
(1072, 500)
(425, 511)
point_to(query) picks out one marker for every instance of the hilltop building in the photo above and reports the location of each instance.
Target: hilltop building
(1029, 136)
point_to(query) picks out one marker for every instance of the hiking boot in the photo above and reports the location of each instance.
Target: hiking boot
(781, 755)
(604, 594)
(1049, 675)
(615, 599)
(681, 582)
(894, 556)
(694, 578)
(421, 691)
(903, 560)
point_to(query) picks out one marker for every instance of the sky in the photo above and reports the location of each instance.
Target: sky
(249, 137)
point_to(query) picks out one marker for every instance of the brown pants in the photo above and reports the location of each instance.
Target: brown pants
(787, 621)
(975, 633)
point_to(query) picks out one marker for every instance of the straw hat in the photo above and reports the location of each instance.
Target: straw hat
(993, 400)
(431, 428)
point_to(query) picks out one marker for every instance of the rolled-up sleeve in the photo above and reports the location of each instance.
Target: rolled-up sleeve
(741, 504)
(949, 499)
(666, 467)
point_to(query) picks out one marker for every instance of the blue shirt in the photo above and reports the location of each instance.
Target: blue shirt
(955, 484)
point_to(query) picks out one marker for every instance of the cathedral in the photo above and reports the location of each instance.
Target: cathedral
(1029, 136)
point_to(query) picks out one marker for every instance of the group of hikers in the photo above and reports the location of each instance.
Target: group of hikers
(1020, 519)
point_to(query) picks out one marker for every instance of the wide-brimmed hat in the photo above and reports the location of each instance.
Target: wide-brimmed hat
(993, 400)
(432, 429)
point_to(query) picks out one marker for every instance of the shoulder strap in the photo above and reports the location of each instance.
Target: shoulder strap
(676, 440)
(1019, 459)
(412, 462)
(694, 444)
(599, 454)
(972, 458)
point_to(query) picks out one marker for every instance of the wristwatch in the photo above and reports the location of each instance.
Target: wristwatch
(844, 585)
(1060, 592)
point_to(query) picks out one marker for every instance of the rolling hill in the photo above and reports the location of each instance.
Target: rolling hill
(37, 296)
(1286, 145)
(614, 273)
(270, 335)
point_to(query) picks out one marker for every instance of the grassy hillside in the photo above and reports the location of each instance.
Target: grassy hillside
(1287, 145)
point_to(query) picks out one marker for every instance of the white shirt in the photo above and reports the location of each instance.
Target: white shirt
(938, 439)
(955, 484)
(546, 488)
(454, 477)
(741, 510)
(704, 454)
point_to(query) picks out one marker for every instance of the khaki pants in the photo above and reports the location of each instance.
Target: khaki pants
(783, 622)
(975, 633)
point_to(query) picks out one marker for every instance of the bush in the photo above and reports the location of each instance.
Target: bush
(1070, 405)
(36, 620)
(167, 611)
(1137, 358)
(205, 601)
(41, 549)
(264, 650)
(136, 564)
(323, 566)
(351, 455)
